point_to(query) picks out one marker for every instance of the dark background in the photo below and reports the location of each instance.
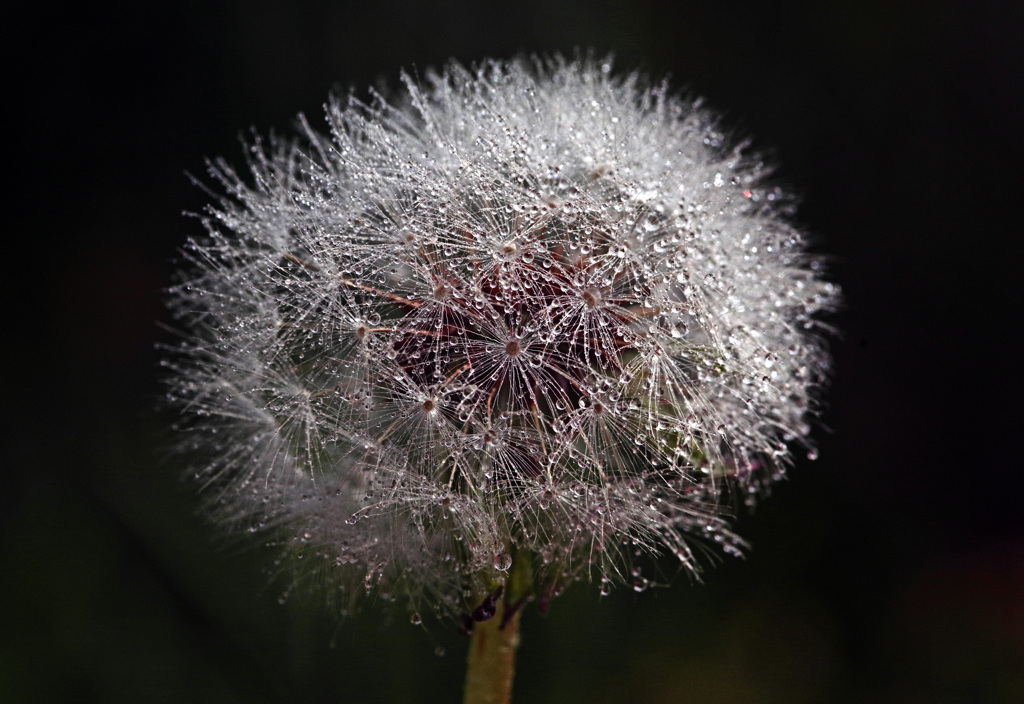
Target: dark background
(889, 570)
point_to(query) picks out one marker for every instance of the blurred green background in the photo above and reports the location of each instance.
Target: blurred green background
(889, 570)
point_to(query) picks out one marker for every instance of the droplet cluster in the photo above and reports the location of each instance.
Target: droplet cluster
(532, 308)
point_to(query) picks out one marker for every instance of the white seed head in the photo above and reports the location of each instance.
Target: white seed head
(535, 307)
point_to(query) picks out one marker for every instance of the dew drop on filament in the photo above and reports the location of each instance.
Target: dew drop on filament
(502, 561)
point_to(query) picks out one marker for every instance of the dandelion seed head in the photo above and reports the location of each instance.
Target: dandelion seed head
(535, 307)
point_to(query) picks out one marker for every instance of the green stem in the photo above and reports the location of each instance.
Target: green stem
(492, 651)
(491, 663)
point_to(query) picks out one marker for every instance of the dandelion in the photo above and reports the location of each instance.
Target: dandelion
(531, 323)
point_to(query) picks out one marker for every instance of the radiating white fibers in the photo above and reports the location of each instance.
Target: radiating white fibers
(534, 308)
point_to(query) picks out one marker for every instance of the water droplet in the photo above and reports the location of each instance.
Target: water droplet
(502, 561)
(545, 499)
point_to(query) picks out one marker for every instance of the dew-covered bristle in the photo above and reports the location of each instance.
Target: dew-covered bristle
(538, 308)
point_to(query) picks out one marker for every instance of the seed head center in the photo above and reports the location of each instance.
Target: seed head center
(513, 348)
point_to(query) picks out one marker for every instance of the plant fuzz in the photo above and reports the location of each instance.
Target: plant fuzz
(534, 309)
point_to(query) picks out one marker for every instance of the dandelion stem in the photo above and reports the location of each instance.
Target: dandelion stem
(492, 651)
(491, 662)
